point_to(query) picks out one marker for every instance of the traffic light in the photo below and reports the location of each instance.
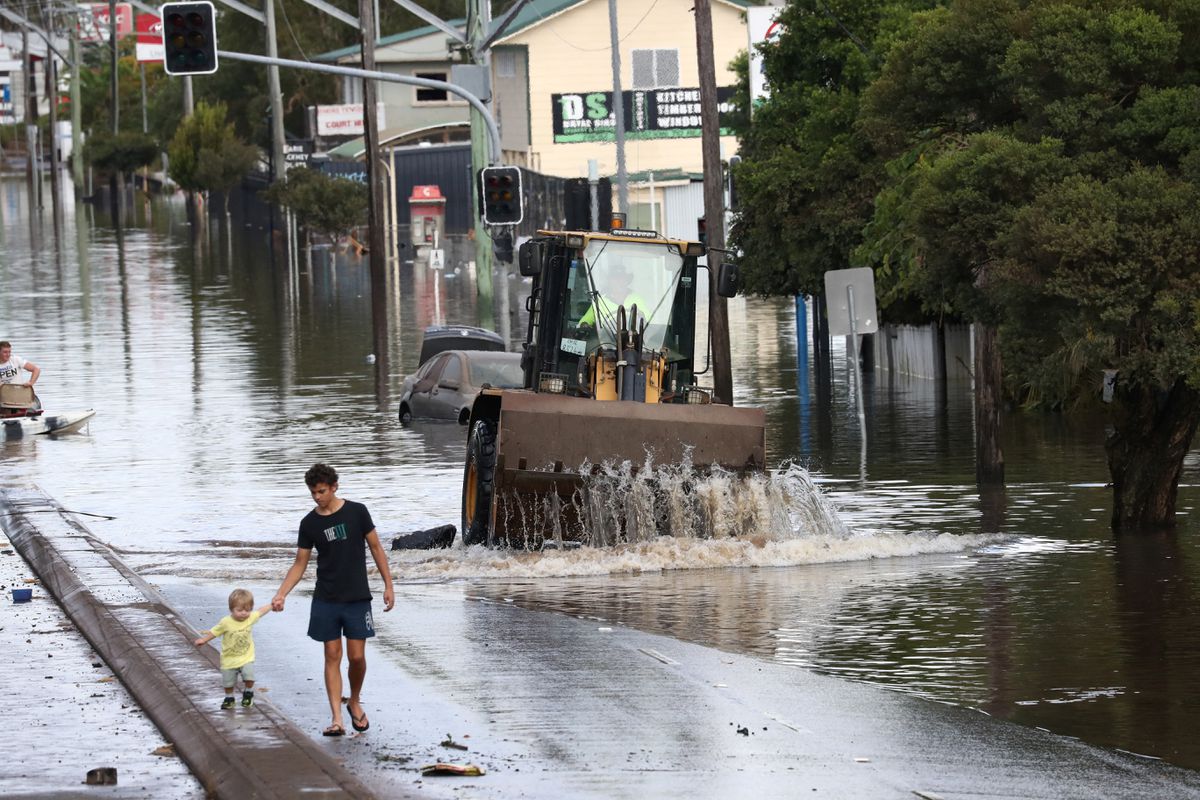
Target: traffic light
(502, 198)
(702, 231)
(189, 38)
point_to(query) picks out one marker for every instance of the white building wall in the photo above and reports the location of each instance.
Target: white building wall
(683, 205)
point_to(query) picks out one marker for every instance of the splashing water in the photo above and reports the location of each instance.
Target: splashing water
(618, 504)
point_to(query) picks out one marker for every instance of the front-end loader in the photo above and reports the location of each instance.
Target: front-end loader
(610, 368)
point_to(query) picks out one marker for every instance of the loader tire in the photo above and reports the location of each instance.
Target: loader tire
(479, 483)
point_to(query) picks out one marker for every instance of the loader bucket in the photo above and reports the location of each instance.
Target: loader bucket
(548, 446)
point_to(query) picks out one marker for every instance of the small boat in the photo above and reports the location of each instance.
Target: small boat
(18, 427)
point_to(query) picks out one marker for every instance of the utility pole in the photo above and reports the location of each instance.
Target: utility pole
(51, 74)
(76, 114)
(479, 16)
(276, 95)
(619, 106)
(30, 122)
(115, 180)
(376, 219)
(714, 202)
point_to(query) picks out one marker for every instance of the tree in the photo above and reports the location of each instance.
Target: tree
(329, 205)
(1044, 180)
(206, 154)
(125, 152)
(809, 174)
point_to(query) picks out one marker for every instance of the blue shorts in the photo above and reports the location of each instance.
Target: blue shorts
(328, 621)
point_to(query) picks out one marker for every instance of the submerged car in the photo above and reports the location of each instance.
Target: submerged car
(445, 386)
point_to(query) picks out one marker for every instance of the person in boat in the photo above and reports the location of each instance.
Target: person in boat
(11, 367)
(341, 531)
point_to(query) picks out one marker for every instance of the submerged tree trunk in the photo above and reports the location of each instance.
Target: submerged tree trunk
(1152, 430)
(989, 458)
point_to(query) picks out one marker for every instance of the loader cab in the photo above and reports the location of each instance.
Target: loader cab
(587, 287)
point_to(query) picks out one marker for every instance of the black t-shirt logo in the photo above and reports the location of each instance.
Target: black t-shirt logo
(337, 533)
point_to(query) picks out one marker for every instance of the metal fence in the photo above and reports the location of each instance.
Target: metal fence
(550, 201)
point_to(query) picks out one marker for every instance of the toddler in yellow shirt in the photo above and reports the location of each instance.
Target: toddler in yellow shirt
(237, 645)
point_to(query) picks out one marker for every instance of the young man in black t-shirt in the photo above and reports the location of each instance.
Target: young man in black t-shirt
(340, 530)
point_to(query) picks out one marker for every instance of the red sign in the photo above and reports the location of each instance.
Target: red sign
(149, 38)
(93, 21)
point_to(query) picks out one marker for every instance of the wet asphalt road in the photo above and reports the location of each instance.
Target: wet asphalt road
(556, 706)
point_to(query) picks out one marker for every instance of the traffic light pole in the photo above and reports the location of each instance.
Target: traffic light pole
(276, 95)
(475, 102)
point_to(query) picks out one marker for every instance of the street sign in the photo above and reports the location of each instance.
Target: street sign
(297, 152)
(437, 259)
(149, 38)
(346, 120)
(843, 286)
(763, 28)
(94, 21)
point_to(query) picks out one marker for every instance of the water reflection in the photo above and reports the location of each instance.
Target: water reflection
(219, 373)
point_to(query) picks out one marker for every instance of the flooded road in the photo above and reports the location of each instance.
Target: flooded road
(218, 376)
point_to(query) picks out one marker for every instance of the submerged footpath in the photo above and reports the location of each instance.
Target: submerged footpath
(103, 675)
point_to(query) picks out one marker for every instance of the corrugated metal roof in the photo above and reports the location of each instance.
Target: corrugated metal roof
(534, 13)
(404, 36)
(538, 11)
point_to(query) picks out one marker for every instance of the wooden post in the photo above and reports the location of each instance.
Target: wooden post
(480, 14)
(714, 203)
(989, 457)
(51, 73)
(115, 179)
(376, 219)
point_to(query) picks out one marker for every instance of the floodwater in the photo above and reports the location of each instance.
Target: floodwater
(219, 375)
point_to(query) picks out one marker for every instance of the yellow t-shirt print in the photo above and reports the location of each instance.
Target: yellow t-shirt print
(237, 643)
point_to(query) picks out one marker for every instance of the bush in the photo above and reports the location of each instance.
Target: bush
(328, 205)
(123, 152)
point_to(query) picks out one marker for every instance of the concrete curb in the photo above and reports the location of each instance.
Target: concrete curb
(254, 753)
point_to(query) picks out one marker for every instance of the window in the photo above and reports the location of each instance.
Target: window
(654, 69)
(427, 95)
(427, 376)
(352, 90)
(506, 63)
(452, 374)
(647, 216)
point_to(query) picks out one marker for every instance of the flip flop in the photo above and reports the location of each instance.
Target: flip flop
(334, 730)
(359, 723)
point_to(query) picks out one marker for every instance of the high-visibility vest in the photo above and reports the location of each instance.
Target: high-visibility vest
(608, 309)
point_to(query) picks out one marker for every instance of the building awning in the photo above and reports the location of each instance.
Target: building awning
(445, 133)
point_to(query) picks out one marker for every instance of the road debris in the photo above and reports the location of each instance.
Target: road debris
(441, 768)
(102, 776)
(449, 742)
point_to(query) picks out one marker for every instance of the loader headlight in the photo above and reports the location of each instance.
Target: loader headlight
(553, 383)
(697, 396)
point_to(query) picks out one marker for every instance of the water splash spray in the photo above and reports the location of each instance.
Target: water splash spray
(618, 503)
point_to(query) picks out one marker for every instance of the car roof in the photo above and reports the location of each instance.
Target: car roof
(485, 355)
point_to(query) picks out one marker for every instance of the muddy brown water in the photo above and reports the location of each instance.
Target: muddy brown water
(218, 375)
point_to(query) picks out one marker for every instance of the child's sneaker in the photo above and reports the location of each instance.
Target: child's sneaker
(247, 699)
(227, 703)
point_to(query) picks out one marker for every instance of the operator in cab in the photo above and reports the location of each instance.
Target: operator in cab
(615, 290)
